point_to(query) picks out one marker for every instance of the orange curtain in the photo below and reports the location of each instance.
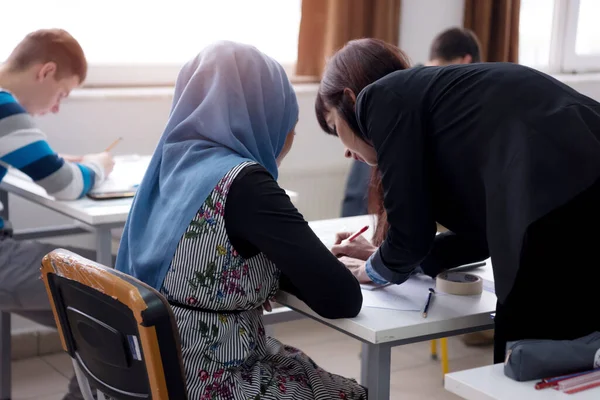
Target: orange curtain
(326, 25)
(496, 23)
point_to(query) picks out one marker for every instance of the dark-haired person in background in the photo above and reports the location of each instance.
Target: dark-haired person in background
(506, 157)
(455, 46)
(452, 46)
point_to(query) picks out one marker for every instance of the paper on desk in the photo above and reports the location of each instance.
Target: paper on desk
(372, 286)
(327, 229)
(409, 296)
(125, 176)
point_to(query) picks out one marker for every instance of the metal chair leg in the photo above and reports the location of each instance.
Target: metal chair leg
(84, 384)
(5, 356)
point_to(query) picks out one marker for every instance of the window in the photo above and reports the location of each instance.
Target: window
(145, 42)
(560, 36)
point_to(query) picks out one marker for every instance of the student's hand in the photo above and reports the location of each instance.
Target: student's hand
(357, 267)
(360, 248)
(267, 306)
(71, 158)
(104, 160)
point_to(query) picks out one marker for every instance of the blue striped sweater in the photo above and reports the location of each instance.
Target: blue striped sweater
(24, 146)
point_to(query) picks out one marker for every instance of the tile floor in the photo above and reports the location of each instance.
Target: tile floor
(414, 374)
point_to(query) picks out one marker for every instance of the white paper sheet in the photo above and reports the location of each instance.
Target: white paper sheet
(125, 176)
(327, 229)
(409, 296)
(373, 286)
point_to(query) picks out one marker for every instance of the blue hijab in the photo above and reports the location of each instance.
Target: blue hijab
(232, 104)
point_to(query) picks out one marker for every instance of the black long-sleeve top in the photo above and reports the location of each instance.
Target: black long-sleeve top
(260, 218)
(484, 149)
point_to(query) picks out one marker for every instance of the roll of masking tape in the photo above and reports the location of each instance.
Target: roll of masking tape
(459, 283)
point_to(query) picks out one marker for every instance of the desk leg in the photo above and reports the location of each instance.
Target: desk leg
(375, 369)
(4, 201)
(5, 350)
(364, 367)
(5, 356)
(104, 247)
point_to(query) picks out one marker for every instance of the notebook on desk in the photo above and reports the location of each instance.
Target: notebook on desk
(127, 175)
(124, 180)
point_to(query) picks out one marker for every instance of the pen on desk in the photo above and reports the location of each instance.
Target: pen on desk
(475, 265)
(358, 233)
(469, 267)
(429, 297)
(113, 144)
(553, 382)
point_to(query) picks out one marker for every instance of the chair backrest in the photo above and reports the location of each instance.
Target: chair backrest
(120, 331)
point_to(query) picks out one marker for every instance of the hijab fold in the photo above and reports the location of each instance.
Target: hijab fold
(232, 104)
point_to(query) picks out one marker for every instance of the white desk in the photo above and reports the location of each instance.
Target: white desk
(490, 383)
(382, 329)
(96, 216)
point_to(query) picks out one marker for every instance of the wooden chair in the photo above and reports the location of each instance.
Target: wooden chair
(120, 333)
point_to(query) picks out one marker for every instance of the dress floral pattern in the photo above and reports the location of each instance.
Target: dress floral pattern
(217, 297)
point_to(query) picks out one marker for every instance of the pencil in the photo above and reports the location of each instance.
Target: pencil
(113, 144)
(358, 233)
(429, 297)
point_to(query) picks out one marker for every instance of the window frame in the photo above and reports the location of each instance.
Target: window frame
(562, 58)
(571, 61)
(121, 67)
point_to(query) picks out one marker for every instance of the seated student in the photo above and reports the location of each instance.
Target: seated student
(357, 186)
(452, 46)
(455, 46)
(213, 231)
(39, 73)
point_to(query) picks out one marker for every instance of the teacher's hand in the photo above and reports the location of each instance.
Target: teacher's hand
(357, 267)
(360, 248)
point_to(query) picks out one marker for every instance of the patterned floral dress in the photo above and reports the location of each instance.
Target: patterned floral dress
(217, 298)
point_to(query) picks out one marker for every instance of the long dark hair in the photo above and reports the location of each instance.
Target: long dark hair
(358, 64)
(376, 207)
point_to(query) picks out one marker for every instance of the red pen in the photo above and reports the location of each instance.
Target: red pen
(583, 387)
(358, 233)
(553, 382)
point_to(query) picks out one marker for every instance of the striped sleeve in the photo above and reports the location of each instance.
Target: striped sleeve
(24, 146)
